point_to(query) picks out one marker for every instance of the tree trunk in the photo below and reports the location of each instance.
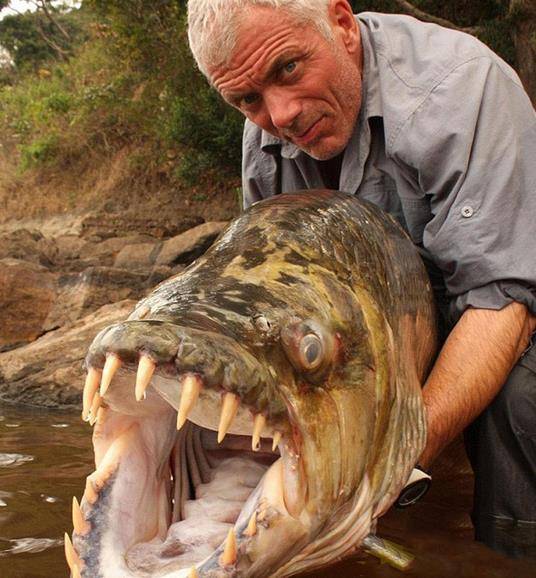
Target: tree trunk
(524, 36)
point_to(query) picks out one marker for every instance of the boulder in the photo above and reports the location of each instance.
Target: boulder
(137, 257)
(69, 248)
(104, 252)
(27, 294)
(21, 244)
(186, 247)
(49, 372)
(82, 293)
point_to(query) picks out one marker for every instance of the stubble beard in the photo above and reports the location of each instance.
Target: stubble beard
(349, 93)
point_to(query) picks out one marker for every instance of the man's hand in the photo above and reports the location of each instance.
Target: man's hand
(471, 368)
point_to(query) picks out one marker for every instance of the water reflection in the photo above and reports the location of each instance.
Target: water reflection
(46, 455)
(44, 458)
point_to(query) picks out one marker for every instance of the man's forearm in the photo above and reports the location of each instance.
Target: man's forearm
(470, 370)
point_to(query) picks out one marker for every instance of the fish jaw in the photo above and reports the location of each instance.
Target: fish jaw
(131, 499)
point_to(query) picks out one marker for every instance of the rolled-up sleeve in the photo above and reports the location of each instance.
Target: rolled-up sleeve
(471, 146)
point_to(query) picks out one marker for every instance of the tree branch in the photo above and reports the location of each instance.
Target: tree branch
(43, 5)
(414, 11)
(63, 55)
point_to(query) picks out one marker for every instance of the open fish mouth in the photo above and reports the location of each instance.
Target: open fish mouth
(190, 480)
(257, 412)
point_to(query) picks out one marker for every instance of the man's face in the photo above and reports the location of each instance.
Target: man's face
(292, 82)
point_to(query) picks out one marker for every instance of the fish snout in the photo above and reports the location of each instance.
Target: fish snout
(183, 364)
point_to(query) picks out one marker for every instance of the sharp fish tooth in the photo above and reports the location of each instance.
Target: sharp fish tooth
(75, 571)
(90, 387)
(90, 494)
(258, 426)
(111, 365)
(97, 400)
(230, 551)
(80, 524)
(276, 440)
(70, 553)
(228, 412)
(191, 387)
(146, 369)
(251, 528)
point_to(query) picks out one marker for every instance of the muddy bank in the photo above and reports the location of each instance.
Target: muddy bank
(63, 278)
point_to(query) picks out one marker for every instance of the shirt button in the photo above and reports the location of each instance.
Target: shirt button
(467, 211)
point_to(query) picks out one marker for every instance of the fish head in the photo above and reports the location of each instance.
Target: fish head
(290, 356)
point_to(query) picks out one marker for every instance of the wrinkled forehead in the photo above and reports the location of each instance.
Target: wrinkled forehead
(254, 35)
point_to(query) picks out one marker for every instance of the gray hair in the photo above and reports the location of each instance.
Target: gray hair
(213, 25)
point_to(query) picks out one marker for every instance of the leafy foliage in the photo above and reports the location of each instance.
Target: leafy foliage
(190, 115)
(32, 39)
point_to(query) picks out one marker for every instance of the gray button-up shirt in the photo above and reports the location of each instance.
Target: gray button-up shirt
(445, 142)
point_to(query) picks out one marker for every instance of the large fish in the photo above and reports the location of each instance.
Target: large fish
(258, 412)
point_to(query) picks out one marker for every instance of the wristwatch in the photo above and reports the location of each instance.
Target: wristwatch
(418, 484)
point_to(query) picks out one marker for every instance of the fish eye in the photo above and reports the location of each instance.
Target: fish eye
(311, 351)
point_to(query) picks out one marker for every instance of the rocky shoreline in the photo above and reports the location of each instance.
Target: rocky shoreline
(64, 279)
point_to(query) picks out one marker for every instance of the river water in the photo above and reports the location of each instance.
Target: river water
(46, 455)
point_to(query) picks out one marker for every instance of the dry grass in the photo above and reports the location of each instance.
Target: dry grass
(118, 183)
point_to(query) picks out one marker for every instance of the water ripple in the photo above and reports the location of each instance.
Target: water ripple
(29, 545)
(8, 460)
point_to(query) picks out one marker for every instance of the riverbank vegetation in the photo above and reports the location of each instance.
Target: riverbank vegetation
(101, 104)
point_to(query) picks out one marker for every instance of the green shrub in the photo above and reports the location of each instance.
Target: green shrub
(40, 151)
(207, 126)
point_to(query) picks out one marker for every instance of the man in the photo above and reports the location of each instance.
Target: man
(433, 127)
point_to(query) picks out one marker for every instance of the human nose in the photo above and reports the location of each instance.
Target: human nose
(282, 108)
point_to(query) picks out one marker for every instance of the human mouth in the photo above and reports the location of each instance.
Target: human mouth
(309, 134)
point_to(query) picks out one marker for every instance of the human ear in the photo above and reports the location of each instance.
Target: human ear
(344, 24)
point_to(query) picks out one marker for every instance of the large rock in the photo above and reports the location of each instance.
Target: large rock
(82, 293)
(49, 372)
(27, 294)
(104, 252)
(22, 244)
(186, 247)
(138, 257)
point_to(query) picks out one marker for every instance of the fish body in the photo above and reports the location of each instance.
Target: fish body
(291, 356)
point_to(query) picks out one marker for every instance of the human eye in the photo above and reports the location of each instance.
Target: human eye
(290, 67)
(250, 99)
